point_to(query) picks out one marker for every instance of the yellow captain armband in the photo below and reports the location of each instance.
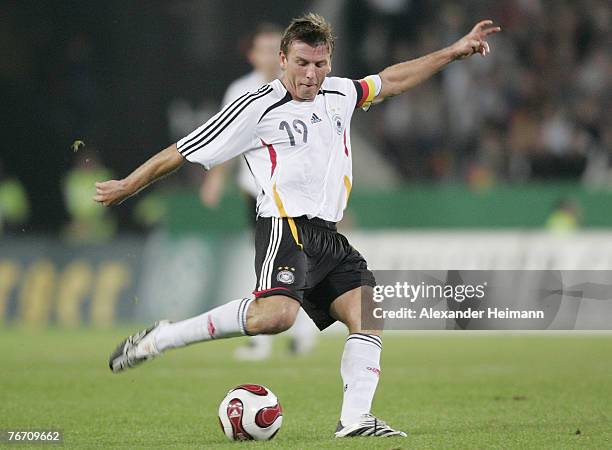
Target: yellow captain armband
(367, 90)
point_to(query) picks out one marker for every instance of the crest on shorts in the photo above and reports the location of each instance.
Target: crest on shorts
(337, 122)
(285, 276)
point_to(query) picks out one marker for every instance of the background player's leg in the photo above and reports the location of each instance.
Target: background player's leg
(303, 334)
(360, 365)
(258, 348)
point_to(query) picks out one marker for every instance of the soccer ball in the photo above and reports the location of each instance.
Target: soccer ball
(250, 412)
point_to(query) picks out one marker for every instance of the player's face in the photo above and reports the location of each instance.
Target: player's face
(263, 56)
(305, 68)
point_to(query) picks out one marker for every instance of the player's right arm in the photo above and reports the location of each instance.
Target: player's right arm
(113, 192)
(227, 134)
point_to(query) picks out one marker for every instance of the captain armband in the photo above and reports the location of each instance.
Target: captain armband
(367, 90)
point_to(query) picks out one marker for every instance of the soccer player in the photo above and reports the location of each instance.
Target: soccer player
(262, 54)
(294, 133)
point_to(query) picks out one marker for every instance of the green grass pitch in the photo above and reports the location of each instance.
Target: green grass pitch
(446, 390)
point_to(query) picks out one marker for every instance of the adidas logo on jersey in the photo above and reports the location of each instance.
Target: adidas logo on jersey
(314, 118)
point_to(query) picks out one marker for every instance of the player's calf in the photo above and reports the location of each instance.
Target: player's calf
(271, 315)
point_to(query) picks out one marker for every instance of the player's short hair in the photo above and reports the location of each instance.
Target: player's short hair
(310, 28)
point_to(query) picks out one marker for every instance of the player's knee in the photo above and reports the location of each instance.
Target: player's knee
(279, 322)
(271, 316)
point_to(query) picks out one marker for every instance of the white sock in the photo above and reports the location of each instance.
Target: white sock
(224, 321)
(360, 370)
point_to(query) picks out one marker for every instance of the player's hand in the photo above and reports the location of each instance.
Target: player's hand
(112, 192)
(475, 41)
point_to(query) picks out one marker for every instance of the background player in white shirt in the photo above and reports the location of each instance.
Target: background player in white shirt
(262, 54)
(295, 135)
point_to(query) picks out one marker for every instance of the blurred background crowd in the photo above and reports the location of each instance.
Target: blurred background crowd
(128, 78)
(538, 109)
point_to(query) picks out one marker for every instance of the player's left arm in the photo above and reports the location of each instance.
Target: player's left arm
(400, 77)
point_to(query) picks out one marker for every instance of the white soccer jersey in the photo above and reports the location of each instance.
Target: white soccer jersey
(248, 83)
(298, 152)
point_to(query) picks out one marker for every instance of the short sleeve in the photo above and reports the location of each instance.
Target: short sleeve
(229, 133)
(367, 90)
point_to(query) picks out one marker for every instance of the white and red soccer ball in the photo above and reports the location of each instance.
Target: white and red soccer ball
(250, 412)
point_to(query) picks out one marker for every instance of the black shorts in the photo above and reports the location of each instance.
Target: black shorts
(308, 260)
